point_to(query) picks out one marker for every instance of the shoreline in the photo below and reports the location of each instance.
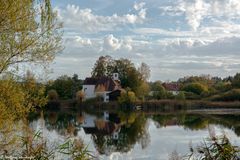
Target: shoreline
(146, 105)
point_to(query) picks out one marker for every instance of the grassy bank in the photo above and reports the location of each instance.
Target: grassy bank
(191, 104)
(163, 105)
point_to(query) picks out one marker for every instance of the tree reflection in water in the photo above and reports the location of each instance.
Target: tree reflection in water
(120, 131)
(198, 121)
(132, 130)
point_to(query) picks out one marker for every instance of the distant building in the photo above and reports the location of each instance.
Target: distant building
(172, 87)
(102, 87)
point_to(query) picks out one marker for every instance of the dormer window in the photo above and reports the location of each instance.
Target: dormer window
(115, 76)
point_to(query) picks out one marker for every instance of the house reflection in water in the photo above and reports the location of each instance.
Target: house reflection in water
(109, 124)
(121, 131)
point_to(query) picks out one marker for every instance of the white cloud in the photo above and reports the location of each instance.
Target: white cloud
(139, 6)
(224, 8)
(81, 47)
(159, 31)
(111, 43)
(131, 18)
(85, 21)
(127, 44)
(210, 33)
(210, 46)
(142, 14)
(82, 41)
(196, 11)
(166, 57)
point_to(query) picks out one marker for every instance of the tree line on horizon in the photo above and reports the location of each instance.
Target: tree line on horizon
(136, 81)
(30, 34)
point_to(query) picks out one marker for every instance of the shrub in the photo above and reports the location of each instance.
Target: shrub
(232, 95)
(191, 96)
(80, 96)
(52, 95)
(180, 96)
(169, 95)
(205, 94)
(127, 98)
(35, 146)
(222, 86)
(215, 148)
(160, 93)
(236, 81)
(196, 88)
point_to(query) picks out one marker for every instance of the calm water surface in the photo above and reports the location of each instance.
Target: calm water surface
(135, 135)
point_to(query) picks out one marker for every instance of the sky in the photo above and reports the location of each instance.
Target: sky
(176, 38)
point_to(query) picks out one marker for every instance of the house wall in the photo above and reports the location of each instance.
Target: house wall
(175, 92)
(89, 121)
(89, 91)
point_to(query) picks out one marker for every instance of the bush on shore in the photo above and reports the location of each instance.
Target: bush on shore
(232, 95)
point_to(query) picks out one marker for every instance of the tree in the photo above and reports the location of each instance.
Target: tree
(128, 74)
(236, 81)
(155, 86)
(203, 79)
(11, 108)
(34, 91)
(104, 66)
(143, 90)
(159, 91)
(160, 94)
(77, 84)
(196, 88)
(132, 80)
(66, 86)
(16, 101)
(127, 98)
(222, 86)
(29, 33)
(144, 70)
(52, 95)
(63, 86)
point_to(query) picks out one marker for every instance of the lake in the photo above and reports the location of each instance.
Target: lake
(137, 135)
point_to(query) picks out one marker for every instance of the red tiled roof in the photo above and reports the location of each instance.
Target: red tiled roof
(108, 83)
(171, 86)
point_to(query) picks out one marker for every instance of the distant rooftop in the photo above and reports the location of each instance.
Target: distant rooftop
(171, 86)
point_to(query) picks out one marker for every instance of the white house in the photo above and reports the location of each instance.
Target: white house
(89, 121)
(101, 86)
(172, 87)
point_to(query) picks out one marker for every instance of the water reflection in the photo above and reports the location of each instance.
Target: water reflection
(198, 121)
(120, 131)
